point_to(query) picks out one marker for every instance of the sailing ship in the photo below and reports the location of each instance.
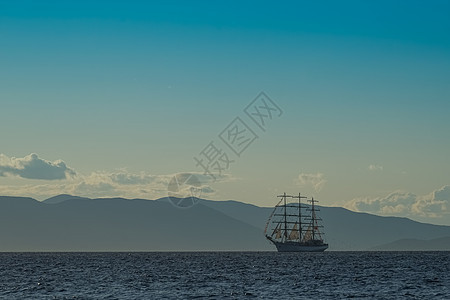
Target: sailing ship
(295, 227)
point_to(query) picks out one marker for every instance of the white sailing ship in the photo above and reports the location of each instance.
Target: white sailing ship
(295, 227)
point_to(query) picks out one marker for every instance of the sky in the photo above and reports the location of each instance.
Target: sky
(115, 98)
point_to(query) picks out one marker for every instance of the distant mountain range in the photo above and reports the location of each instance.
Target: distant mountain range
(71, 223)
(440, 244)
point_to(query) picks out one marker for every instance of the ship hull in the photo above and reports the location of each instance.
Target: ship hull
(299, 247)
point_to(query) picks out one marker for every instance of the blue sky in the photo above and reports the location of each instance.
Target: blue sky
(137, 89)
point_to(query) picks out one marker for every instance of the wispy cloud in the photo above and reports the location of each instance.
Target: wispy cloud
(433, 205)
(33, 167)
(317, 181)
(375, 168)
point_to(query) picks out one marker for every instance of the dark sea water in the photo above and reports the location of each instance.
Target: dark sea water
(215, 275)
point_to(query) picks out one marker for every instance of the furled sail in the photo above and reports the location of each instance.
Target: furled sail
(276, 229)
(308, 234)
(294, 235)
(278, 233)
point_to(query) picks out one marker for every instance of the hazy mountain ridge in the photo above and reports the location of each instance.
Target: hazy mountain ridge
(69, 223)
(120, 225)
(439, 244)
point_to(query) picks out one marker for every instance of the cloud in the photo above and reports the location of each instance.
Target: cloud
(317, 181)
(126, 178)
(434, 205)
(375, 168)
(119, 183)
(33, 167)
(394, 203)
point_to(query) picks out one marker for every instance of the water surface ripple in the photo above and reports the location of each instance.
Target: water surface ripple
(232, 275)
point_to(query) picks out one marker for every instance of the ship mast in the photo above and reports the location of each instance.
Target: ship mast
(285, 214)
(313, 218)
(299, 215)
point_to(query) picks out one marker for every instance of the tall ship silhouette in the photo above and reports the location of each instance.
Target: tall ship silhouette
(295, 227)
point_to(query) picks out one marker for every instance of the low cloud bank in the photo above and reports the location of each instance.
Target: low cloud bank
(34, 167)
(433, 205)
